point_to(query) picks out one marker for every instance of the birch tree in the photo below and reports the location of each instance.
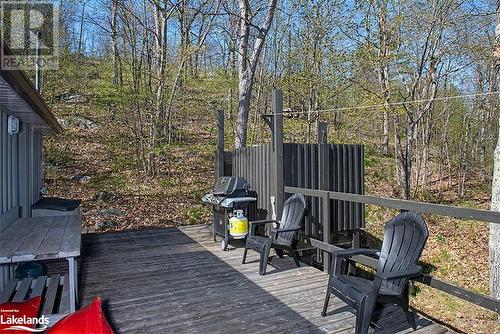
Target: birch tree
(494, 243)
(248, 58)
(385, 45)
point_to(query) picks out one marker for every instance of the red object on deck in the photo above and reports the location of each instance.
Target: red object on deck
(88, 320)
(19, 314)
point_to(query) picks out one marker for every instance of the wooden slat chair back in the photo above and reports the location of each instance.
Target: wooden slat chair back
(404, 240)
(281, 238)
(293, 213)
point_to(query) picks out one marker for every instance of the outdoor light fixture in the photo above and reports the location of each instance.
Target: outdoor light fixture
(12, 125)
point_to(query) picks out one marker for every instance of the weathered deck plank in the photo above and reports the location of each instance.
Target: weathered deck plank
(177, 280)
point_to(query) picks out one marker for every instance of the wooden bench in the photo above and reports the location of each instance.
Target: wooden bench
(54, 291)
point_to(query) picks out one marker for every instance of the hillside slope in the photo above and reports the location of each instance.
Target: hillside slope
(95, 161)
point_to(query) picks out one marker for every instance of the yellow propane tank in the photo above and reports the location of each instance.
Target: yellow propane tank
(238, 225)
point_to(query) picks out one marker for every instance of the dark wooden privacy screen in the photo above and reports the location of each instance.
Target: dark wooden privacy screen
(334, 167)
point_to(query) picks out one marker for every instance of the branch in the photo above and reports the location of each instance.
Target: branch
(259, 41)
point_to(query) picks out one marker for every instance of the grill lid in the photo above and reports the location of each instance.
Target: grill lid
(228, 185)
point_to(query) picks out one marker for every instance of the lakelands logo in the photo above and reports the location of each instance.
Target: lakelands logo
(22, 323)
(31, 30)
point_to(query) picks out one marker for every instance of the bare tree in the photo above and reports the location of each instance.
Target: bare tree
(385, 45)
(185, 56)
(161, 14)
(421, 87)
(248, 58)
(117, 65)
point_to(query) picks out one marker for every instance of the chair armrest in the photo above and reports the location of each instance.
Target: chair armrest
(283, 230)
(354, 251)
(338, 256)
(411, 272)
(262, 222)
(255, 223)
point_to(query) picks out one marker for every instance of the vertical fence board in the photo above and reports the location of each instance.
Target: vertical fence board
(314, 180)
(351, 186)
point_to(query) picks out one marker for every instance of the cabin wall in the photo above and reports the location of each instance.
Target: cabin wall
(21, 176)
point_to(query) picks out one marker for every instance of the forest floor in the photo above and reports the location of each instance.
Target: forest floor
(91, 162)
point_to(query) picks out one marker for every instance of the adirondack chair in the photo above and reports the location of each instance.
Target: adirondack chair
(404, 239)
(282, 238)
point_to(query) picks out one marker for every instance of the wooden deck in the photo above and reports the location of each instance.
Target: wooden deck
(177, 280)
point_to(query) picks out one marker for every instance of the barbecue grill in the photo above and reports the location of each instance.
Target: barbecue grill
(229, 193)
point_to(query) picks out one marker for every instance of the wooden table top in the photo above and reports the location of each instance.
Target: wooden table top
(41, 238)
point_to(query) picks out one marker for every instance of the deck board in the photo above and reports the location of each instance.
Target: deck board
(177, 280)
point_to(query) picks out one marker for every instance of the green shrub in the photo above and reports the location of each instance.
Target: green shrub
(107, 182)
(166, 182)
(57, 156)
(441, 239)
(193, 214)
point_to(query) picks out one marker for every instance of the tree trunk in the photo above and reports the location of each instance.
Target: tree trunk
(248, 65)
(495, 227)
(245, 90)
(80, 39)
(481, 123)
(385, 134)
(426, 131)
(463, 154)
(117, 67)
(408, 159)
(445, 155)
(494, 243)
(383, 70)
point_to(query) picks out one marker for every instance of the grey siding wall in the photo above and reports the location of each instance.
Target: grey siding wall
(9, 170)
(21, 176)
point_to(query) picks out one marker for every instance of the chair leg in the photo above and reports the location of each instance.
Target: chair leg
(364, 315)
(410, 316)
(244, 256)
(296, 258)
(404, 302)
(280, 253)
(327, 300)
(351, 268)
(359, 317)
(264, 255)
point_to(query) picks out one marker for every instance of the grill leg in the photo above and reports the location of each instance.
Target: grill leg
(226, 227)
(244, 255)
(214, 224)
